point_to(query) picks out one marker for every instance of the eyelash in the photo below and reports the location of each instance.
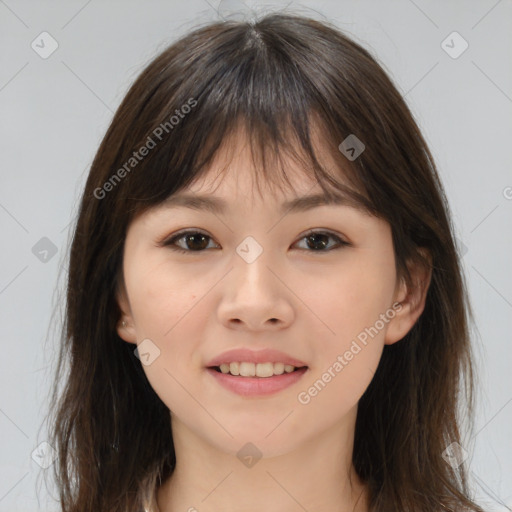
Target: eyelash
(170, 243)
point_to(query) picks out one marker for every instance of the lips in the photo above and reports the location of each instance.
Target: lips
(257, 387)
(251, 356)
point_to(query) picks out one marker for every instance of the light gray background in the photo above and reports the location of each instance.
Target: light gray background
(54, 112)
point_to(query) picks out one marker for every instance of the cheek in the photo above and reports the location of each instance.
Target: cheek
(170, 308)
(162, 299)
(350, 299)
(346, 355)
(353, 311)
(161, 316)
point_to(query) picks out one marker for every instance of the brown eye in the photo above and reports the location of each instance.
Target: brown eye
(318, 241)
(195, 241)
(191, 241)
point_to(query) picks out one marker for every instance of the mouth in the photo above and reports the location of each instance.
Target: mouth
(251, 373)
(256, 370)
(245, 381)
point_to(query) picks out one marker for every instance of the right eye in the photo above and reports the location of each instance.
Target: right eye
(194, 241)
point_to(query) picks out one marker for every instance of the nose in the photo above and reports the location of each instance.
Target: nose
(255, 296)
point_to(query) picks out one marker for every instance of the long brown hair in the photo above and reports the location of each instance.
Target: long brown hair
(277, 76)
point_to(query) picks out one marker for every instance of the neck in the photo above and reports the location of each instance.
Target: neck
(317, 475)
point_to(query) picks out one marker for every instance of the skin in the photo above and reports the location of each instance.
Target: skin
(197, 305)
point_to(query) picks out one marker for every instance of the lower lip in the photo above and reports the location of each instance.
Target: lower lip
(257, 386)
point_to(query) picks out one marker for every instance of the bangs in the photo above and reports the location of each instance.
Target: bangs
(277, 152)
(240, 85)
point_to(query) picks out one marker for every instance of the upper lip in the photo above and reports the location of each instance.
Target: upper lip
(250, 356)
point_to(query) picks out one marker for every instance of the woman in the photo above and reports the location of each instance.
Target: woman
(265, 305)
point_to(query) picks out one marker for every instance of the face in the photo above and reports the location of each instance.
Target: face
(254, 277)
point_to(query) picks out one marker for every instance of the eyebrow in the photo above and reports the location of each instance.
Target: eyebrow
(217, 205)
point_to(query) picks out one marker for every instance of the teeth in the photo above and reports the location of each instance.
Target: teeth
(247, 369)
(256, 370)
(279, 368)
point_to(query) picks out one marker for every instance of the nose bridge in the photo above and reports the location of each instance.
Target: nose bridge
(253, 294)
(252, 261)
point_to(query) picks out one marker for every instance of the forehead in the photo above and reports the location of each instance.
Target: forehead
(239, 173)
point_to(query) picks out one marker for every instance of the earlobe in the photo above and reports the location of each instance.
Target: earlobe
(126, 331)
(412, 300)
(125, 325)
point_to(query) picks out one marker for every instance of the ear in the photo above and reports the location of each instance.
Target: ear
(125, 325)
(411, 298)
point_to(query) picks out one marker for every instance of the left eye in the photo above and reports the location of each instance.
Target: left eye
(196, 241)
(318, 240)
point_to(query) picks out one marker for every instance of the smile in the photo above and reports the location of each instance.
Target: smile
(247, 369)
(249, 384)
